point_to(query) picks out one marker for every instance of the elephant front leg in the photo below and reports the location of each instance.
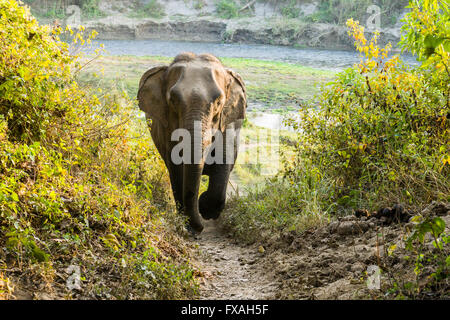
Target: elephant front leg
(191, 183)
(176, 181)
(212, 201)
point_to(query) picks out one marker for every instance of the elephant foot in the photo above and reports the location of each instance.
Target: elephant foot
(193, 225)
(209, 207)
(194, 232)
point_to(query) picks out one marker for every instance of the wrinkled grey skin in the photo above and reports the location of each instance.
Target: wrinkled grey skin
(194, 88)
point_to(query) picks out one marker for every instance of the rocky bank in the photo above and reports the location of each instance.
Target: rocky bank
(187, 21)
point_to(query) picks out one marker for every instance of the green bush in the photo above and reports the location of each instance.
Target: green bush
(152, 9)
(90, 9)
(80, 180)
(339, 11)
(55, 11)
(381, 130)
(429, 267)
(376, 135)
(227, 9)
(199, 4)
(291, 10)
(279, 207)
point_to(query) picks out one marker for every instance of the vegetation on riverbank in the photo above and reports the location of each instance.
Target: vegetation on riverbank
(339, 11)
(295, 23)
(89, 9)
(152, 9)
(274, 85)
(326, 11)
(379, 137)
(85, 210)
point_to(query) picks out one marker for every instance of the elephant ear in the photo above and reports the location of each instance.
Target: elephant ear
(150, 95)
(236, 103)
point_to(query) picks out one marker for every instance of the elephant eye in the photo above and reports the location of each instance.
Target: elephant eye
(175, 96)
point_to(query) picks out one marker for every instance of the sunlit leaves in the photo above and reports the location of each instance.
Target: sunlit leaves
(78, 169)
(34, 66)
(382, 127)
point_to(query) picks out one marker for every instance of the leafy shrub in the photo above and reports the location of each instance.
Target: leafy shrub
(79, 174)
(90, 9)
(21, 106)
(227, 9)
(381, 130)
(199, 4)
(376, 135)
(51, 10)
(428, 253)
(55, 11)
(339, 11)
(291, 10)
(279, 207)
(152, 9)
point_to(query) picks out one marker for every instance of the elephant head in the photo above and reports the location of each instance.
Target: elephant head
(193, 89)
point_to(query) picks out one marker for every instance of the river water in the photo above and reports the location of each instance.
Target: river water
(318, 58)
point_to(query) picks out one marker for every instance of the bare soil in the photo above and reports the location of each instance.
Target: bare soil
(328, 263)
(331, 262)
(232, 270)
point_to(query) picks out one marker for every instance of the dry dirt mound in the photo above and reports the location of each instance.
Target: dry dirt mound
(335, 261)
(332, 262)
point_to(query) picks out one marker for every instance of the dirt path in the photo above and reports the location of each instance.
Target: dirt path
(330, 262)
(325, 264)
(231, 270)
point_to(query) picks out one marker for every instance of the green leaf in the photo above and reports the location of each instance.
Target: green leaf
(37, 253)
(40, 255)
(432, 41)
(447, 45)
(438, 244)
(15, 197)
(438, 226)
(428, 51)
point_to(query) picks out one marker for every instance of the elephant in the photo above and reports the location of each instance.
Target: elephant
(195, 90)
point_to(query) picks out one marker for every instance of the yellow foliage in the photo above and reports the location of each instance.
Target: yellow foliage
(78, 169)
(381, 130)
